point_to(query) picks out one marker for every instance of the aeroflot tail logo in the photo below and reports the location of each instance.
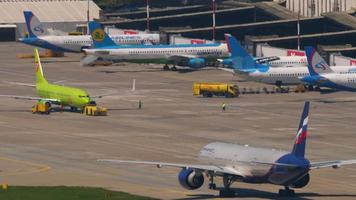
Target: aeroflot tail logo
(321, 65)
(302, 132)
(98, 35)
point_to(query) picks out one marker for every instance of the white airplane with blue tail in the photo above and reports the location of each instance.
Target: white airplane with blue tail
(232, 162)
(39, 36)
(185, 55)
(245, 66)
(322, 75)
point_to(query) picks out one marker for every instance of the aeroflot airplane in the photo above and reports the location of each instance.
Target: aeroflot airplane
(191, 55)
(247, 164)
(245, 66)
(323, 75)
(39, 36)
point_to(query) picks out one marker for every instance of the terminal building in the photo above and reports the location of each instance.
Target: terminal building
(64, 15)
(255, 24)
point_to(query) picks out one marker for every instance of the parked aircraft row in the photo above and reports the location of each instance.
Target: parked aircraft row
(189, 55)
(318, 73)
(40, 37)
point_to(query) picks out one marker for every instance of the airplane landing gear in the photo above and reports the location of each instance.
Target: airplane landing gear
(227, 191)
(174, 68)
(286, 192)
(212, 185)
(166, 67)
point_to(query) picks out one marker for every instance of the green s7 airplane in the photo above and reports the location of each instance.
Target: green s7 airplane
(56, 94)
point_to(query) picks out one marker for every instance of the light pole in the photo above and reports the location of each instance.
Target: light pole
(148, 15)
(88, 17)
(213, 5)
(298, 29)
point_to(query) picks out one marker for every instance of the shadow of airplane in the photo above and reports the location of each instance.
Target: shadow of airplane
(253, 193)
(128, 71)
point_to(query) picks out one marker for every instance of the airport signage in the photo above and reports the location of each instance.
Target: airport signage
(353, 62)
(295, 53)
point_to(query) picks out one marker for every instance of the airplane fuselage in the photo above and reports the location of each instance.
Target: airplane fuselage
(344, 81)
(80, 42)
(285, 75)
(142, 52)
(67, 96)
(248, 162)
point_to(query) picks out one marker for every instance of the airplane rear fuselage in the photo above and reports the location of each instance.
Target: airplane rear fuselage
(287, 75)
(249, 161)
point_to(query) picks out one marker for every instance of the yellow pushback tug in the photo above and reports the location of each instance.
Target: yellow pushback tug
(94, 110)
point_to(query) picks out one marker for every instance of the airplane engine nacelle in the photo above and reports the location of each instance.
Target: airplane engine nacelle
(301, 182)
(196, 63)
(191, 180)
(227, 62)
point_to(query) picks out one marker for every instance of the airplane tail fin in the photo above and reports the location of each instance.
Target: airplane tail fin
(39, 72)
(301, 137)
(241, 59)
(100, 38)
(34, 27)
(316, 64)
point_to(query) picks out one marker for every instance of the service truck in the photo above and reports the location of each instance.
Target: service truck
(215, 89)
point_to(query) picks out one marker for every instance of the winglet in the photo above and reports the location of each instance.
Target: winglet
(301, 136)
(133, 85)
(39, 72)
(100, 38)
(316, 64)
(241, 59)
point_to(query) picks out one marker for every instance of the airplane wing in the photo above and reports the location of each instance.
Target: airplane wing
(181, 58)
(218, 170)
(133, 89)
(263, 60)
(88, 60)
(18, 83)
(334, 164)
(227, 69)
(30, 98)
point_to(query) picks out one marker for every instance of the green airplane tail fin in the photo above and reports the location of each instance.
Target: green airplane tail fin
(40, 79)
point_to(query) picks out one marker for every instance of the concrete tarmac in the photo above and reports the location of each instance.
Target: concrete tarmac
(173, 125)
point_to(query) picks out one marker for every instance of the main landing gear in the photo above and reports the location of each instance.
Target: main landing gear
(166, 68)
(226, 191)
(286, 192)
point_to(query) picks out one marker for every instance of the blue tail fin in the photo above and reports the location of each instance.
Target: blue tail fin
(34, 27)
(316, 64)
(99, 37)
(241, 59)
(28, 17)
(301, 137)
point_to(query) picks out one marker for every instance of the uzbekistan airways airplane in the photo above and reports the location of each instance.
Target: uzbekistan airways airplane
(246, 67)
(187, 55)
(39, 36)
(322, 75)
(247, 164)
